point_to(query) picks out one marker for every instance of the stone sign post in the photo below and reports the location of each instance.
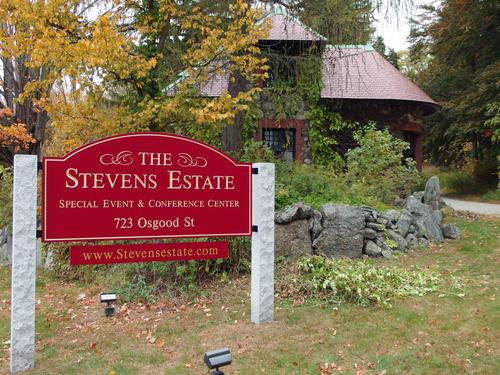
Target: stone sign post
(22, 326)
(262, 284)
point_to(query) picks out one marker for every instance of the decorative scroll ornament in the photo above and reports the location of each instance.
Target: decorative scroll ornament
(186, 160)
(122, 158)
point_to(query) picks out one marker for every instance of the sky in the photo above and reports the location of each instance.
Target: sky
(395, 30)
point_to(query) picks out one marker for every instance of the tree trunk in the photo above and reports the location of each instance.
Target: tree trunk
(232, 134)
(8, 79)
(15, 77)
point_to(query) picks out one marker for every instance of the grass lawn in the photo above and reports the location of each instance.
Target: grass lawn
(434, 334)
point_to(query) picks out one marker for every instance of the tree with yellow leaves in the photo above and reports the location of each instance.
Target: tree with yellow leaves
(94, 68)
(14, 136)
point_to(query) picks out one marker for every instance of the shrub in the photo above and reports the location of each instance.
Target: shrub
(461, 181)
(458, 182)
(492, 195)
(315, 185)
(255, 151)
(377, 168)
(362, 282)
(60, 267)
(485, 171)
(498, 172)
(5, 197)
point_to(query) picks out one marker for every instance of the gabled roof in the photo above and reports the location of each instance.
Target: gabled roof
(286, 27)
(360, 72)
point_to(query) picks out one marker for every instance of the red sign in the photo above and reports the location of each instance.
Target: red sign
(80, 255)
(145, 185)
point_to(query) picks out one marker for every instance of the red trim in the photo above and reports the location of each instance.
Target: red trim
(298, 125)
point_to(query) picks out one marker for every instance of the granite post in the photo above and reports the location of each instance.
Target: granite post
(22, 321)
(262, 279)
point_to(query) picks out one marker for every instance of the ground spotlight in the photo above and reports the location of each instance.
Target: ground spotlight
(109, 299)
(217, 358)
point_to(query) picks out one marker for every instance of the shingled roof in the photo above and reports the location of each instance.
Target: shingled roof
(360, 72)
(348, 72)
(286, 27)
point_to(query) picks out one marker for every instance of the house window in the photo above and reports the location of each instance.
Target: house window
(281, 141)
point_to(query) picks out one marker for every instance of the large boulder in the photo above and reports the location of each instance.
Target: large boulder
(432, 193)
(292, 240)
(404, 222)
(342, 234)
(451, 231)
(427, 220)
(372, 249)
(297, 211)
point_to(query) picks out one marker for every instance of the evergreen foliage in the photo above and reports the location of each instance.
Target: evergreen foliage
(455, 47)
(388, 53)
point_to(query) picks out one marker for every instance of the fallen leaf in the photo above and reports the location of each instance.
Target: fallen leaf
(160, 343)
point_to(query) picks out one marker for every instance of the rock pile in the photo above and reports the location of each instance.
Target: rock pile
(341, 230)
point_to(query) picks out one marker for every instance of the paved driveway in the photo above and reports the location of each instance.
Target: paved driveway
(475, 207)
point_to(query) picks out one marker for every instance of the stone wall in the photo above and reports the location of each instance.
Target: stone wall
(340, 230)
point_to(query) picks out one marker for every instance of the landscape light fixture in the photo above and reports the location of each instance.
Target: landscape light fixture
(109, 299)
(217, 358)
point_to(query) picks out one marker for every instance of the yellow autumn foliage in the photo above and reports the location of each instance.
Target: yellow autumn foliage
(87, 56)
(16, 137)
